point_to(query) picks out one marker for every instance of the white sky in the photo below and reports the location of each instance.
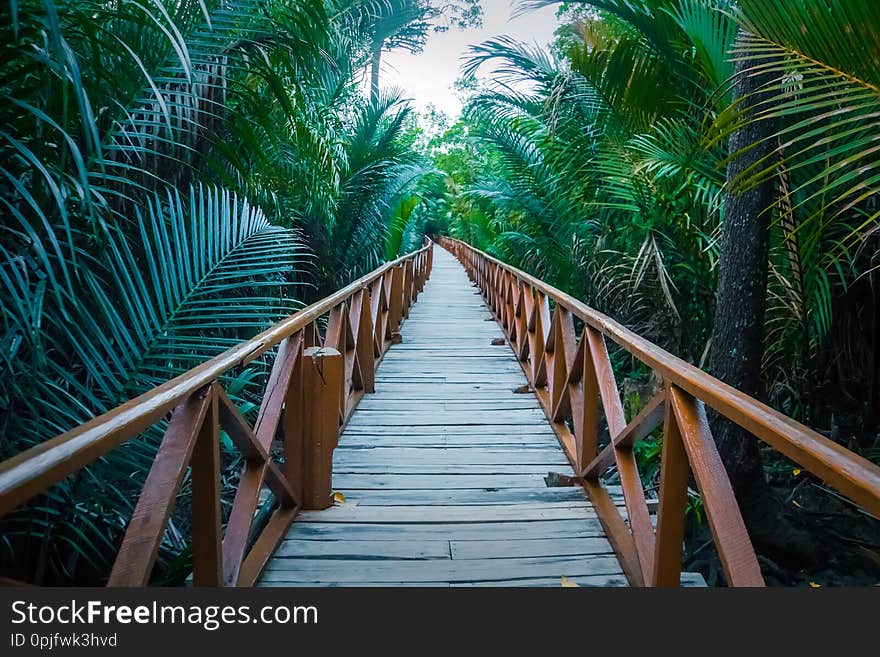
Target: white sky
(428, 77)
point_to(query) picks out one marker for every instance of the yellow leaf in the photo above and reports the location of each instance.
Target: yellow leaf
(815, 585)
(796, 472)
(796, 504)
(568, 584)
(338, 498)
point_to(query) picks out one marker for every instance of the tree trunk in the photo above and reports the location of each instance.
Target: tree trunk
(738, 333)
(375, 68)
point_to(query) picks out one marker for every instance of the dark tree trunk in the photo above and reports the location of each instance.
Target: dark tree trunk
(738, 332)
(375, 68)
(873, 414)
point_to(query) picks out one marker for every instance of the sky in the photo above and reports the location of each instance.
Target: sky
(428, 77)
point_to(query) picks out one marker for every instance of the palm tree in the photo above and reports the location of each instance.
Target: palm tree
(607, 174)
(168, 170)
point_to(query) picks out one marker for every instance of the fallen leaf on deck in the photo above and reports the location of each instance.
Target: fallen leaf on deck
(338, 498)
(568, 584)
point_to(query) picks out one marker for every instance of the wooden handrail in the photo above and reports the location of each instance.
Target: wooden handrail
(572, 376)
(364, 318)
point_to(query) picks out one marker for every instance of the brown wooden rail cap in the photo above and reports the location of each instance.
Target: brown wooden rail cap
(850, 474)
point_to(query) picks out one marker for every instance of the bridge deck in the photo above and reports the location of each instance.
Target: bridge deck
(443, 470)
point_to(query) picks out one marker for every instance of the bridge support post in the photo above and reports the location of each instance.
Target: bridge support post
(395, 299)
(323, 373)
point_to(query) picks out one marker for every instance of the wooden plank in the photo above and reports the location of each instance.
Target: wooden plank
(450, 388)
(542, 547)
(510, 381)
(402, 514)
(463, 570)
(373, 405)
(410, 482)
(505, 496)
(496, 419)
(441, 441)
(674, 472)
(449, 456)
(415, 365)
(689, 580)
(450, 469)
(303, 530)
(360, 549)
(604, 581)
(453, 430)
(311, 585)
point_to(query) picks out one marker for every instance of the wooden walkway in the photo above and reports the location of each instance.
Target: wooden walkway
(444, 467)
(443, 470)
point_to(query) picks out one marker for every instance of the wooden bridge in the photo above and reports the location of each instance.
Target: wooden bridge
(478, 460)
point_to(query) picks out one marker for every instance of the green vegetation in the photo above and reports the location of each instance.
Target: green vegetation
(176, 176)
(605, 168)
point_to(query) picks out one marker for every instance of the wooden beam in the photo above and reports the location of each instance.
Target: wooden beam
(207, 535)
(137, 554)
(728, 529)
(323, 370)
(641, 426)
(674, 473)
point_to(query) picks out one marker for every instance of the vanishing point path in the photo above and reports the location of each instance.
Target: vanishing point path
(450, 468)
(443, 470)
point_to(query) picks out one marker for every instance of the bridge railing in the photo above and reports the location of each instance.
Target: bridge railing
(314, 386)
(573, 379)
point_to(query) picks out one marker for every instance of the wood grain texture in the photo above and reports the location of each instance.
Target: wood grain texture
(728, 529)
(139, 548)
(674, 473)
(444, 468)
(206, 528)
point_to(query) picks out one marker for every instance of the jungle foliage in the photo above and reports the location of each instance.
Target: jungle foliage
(175, 176)
(602, 166)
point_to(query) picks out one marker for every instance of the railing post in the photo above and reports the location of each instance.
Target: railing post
(430, 262)
(674, 472)
(207, 536)
(294, 423)
(395, 299)
(323, 371)
(408, 287)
